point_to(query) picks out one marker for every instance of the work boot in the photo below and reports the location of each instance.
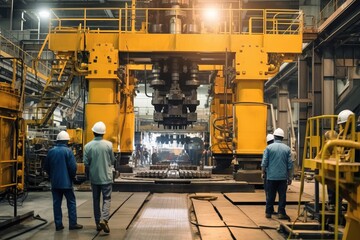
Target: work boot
(59, 228)
(283, 217)
(268, 215)
(98, 227)
(104, 225)
(75, 227)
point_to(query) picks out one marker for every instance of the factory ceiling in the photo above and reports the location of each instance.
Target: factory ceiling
(35, 4)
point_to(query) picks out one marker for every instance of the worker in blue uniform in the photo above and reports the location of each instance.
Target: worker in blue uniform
(278, 165)
(99, 158)
(60, 166)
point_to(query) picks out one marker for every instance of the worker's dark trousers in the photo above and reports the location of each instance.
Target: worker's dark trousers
(273, 187)
(71, 205)
(105, 190)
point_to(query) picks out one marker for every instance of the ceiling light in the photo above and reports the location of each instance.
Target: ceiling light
(44, 13)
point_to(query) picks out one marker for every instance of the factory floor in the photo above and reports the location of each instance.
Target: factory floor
(158, 216)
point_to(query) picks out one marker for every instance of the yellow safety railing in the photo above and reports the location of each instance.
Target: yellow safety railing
(335, 155)
(13, 50)
(283, 22)
(139, 20)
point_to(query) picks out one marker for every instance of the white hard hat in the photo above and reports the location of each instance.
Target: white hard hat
(99, 128)
(269, 137)
(62, 136)
(279, 132)
(343, 116)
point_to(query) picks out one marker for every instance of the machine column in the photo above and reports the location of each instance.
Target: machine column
(103, 99)
(250, 112)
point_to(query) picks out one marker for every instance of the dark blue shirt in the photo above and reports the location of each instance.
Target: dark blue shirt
(60, 165)
(277, 161)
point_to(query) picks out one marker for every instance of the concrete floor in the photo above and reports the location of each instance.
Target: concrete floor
(156, 216)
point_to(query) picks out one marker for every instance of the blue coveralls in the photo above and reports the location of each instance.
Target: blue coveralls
(60, 165)
(277, 162)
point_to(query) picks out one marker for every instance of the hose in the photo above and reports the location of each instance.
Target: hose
(21, 197)
(204, 197)
(212, 198)
(234, 226)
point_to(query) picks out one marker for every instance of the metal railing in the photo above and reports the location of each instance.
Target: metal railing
(324, 147)
(328, 10)
(142, 20)
(12, 49)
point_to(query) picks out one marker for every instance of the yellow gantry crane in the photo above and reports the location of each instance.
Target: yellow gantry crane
(175, 38)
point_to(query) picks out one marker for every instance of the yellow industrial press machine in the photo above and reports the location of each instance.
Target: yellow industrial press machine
(175, 37)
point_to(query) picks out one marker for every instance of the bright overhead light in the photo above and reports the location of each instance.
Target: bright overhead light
(44, 13)
(211, 14)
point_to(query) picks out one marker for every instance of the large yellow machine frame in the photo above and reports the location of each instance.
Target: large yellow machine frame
(12, 133)
(258, 55)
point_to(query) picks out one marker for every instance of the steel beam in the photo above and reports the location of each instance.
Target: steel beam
(317, 83)
(303, 80)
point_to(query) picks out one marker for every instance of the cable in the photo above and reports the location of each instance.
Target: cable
(212, 198)
(21, 197)
(204, 197)
(234, 226)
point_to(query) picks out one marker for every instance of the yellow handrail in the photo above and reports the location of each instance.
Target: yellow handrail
(334, 143)
(290, 21)
(316, 160)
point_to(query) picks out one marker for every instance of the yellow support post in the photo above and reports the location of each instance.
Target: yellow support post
(103, 101)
